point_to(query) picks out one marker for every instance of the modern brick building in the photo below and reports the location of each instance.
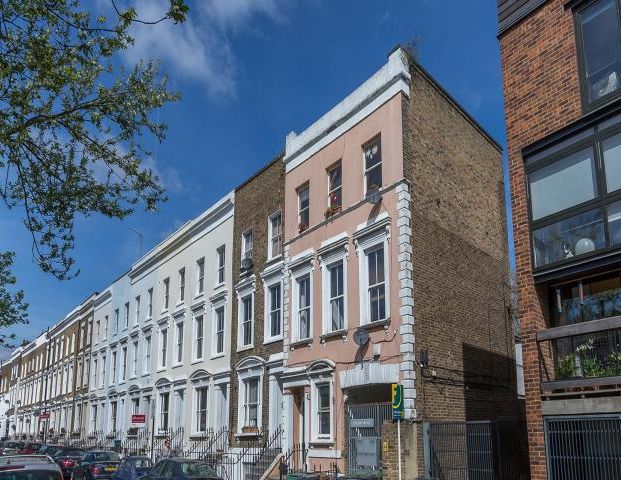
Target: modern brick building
(561, 65)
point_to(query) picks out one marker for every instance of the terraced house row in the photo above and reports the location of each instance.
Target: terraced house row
(372, 251)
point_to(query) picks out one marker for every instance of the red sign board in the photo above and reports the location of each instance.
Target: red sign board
(44, 416)
(139, 418)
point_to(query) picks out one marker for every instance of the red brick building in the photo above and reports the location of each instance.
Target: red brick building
(561, 65)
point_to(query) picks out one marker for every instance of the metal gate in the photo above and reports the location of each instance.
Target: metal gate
(364, 432)
(581, 448)
(484, 450)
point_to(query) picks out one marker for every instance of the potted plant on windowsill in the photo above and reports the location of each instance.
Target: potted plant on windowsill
(302, 227)
(332, 210)
(249, 429)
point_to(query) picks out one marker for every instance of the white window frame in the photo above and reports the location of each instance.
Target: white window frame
(221, 265)
(126, 310)
(221, 304)
(249, 372)
(179, 328)
(200, 276)
(134, 359)
(315, 383)
(150, 307)
(201, 386)
(338, 254)
(124, 352)
(371, 242)
(271, 237)
(113, 365)
(116, 320)
(270, 281)
(137, 319)
(162, 358)
(298, 274)
(247, 239)
(305, 186)
(160, 411)
(331, 190)
(148, 349)
(245, 289)
(166, 287)
(103, 372)
(198, 340)
(181, 277)
(95, 372)
(376, 139)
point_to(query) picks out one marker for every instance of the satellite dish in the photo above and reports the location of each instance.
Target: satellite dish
(361, 337)
(246, 263)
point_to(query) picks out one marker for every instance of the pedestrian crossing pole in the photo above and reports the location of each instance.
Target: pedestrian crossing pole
(397, 415)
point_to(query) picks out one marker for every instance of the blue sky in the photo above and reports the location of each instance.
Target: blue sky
(250, 71)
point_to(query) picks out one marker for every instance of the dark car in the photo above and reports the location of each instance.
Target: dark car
(132, 468)
(96, 465)
(30, 449)
(49, 449)
(67, 459)
(181, 469)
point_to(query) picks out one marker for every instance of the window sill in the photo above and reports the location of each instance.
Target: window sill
(161, 369)
(322, 442)
(218, 355)
(267, 341)
(245, 347)
(373, 325)
(301, 343)
(177, 365)
(335, 334)
(247, 434)
(219, 285)
(197, 360)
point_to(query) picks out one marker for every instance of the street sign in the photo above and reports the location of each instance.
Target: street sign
(397, 402)
(44, 416)
(139, 419)
(362, 422)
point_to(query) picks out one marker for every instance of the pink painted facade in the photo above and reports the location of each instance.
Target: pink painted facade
(325, 356)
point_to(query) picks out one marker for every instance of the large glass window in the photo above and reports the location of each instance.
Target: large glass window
(199, 336)
(568, 238)
(373, 166)
(201, 409)
(600, 49)
(275, 232)
(247, 320)
(611, 148)
(335, 194)
(164, 404)
(219, 330)
(303, 208)
(323, 410)
(563, 184)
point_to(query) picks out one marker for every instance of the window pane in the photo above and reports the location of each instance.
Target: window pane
(564, 183)
(372, 154)
(601, 48)
(612, 162)
(614, 223)
(337, 313)
(568, 238)
(336, 280)
(378, 303)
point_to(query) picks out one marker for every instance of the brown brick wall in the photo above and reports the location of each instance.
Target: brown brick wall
(460, 263)
(255, 201)
(542, 95)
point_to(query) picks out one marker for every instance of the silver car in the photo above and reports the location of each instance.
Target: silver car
(29, 467)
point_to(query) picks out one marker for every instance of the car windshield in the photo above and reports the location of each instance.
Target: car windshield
(30, 475)
(196, 469)
(143, 463)
(103, 457)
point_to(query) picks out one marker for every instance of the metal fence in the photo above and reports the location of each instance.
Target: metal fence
(581, 448)
(485, 450)
(364, 431)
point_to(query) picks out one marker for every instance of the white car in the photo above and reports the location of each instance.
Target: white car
(29, 467)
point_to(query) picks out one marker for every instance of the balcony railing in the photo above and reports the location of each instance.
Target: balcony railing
(581, 355)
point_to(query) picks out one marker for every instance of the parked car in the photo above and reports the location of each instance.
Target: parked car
(29, 467)
(12, 447)
(67, 459)
(30, 449)
(181, 469)
(99, 464)
(50, 450)
(132, 468)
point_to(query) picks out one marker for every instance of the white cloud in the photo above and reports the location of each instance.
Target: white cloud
(169, 177)
(198, 49)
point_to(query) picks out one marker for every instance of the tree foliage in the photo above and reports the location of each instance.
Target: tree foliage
(72, 119)
(12, 305)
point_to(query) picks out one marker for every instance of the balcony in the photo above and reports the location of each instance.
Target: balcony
(582, 355)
